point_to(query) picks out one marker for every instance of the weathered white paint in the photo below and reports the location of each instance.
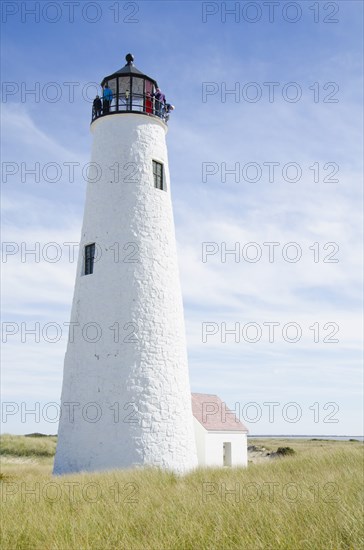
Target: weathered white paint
(142, 373)
(210, 446)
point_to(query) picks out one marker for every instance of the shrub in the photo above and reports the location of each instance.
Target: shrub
(285, 451)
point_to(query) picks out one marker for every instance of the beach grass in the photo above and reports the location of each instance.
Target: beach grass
(309, 500)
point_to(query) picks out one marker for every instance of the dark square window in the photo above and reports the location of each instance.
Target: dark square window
(158, 175)
(89, 258)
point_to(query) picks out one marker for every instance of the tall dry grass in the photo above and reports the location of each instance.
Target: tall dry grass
(310, 501)
(15, 445)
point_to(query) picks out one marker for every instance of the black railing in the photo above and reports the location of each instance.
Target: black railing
(137, 103)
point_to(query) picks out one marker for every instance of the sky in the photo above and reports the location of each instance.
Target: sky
(265, 154)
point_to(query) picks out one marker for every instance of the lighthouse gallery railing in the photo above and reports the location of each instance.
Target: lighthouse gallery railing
(136, 103)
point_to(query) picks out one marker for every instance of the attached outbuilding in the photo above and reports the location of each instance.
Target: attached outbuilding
(221, 438)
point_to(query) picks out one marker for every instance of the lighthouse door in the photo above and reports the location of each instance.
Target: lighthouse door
(148, 97)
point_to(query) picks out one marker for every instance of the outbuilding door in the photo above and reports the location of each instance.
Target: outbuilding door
(227, 454)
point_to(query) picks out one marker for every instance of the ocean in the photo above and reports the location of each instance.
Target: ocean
(329, 437)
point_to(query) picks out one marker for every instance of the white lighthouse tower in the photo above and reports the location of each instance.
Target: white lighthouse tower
(126, 397)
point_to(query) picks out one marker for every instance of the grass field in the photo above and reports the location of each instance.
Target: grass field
(312, 500)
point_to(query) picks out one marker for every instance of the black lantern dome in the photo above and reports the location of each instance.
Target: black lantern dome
(128, 90)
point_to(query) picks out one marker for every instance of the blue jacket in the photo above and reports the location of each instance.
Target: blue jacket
(107, 94)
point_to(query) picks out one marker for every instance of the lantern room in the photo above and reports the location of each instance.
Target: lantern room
(128, 90)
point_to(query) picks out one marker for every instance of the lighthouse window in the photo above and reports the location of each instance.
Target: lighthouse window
(158, 175)
(89, 258)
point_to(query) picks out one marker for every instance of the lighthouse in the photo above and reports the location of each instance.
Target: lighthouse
(126, 398)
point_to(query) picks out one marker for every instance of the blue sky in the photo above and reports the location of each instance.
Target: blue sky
(322, 129)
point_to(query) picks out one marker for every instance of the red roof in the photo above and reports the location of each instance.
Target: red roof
(214, 415)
